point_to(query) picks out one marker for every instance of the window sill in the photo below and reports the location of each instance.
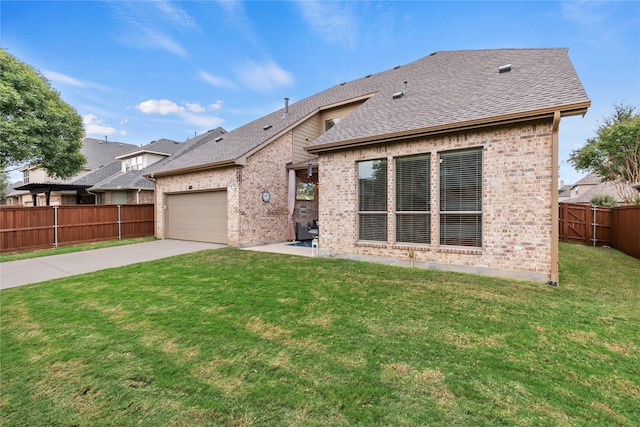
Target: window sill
(459, 250)
(371, 244)
(412, 247)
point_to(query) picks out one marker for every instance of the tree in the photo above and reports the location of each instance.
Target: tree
(4, 185)
(614, 153)
(605, 200)
(36, 125)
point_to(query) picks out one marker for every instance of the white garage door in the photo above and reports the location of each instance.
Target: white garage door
(200, 217)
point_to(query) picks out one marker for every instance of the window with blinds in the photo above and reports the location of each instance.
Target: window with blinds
(372, 200)
(461, 198)
(413, 216)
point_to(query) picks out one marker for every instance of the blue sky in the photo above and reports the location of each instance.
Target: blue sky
(137, 71)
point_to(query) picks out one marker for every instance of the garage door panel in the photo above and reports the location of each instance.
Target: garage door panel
(197, 216)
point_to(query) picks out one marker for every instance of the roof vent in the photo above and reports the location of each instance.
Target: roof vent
(396, 67)
(367, 76)
(400, 94)
(504, 69)
(267, 127)
(286, 108)
(218, 139)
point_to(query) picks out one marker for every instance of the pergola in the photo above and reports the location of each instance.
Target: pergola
(48, 187)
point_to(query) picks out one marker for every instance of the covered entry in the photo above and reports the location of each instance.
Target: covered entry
(200, 216)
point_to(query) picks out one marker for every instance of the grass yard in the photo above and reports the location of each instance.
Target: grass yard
(231, 337)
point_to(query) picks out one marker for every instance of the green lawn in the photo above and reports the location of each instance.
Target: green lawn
(231, 337)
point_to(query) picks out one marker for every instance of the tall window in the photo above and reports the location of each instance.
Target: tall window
(372, 200)
(461, 198)
(25, 176)
(413, 216)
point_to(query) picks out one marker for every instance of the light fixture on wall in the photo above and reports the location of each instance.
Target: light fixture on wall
(309, 169)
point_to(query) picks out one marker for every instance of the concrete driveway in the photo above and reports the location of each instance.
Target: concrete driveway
(23, 272)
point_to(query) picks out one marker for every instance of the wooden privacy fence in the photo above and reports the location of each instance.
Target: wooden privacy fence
(28, 228)
(618, 227)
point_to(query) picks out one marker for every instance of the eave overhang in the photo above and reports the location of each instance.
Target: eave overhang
(197, 168)
(546, 113)
(141, 152)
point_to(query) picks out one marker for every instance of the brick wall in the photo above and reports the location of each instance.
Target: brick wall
(142, 197)
(517, 186)
(251, 221)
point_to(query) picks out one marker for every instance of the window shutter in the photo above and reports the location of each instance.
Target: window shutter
(372, 200)
(413, 194)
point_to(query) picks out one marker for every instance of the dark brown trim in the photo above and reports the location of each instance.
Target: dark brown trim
(198, 168)
(547, 113)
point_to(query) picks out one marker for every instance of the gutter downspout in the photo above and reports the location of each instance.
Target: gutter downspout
(95, 197)
(554, 199)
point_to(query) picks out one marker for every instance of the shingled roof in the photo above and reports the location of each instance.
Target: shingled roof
(445, 91)
(99, 152)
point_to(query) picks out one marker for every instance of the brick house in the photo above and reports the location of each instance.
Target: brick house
(449, 162)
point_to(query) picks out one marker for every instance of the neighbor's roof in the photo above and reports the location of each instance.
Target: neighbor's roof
(99, 153)
(112, 168)
(602, 188)
(111, 177)
(591, 179)
(161, 146)
(132, 180)
(446, 91)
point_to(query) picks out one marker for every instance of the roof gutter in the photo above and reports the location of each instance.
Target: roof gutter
(546, 113)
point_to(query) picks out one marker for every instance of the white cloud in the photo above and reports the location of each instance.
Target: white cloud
(176, 15)
(202, 121)
(156, 39)
(159, 106)
(194, 108)
(264, 77)
(217, 106)
(334, 22)
(146, 25)
(190, 113)
(63, 78)
(94, 126)
(587, 13)
(216, 81)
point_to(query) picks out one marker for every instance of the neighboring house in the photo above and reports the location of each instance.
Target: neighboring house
(113, 174)
(591, 185)
(39, 188)
(122, 181)
(582, 186)
(564, 193)
(449, 162)
(13, 197)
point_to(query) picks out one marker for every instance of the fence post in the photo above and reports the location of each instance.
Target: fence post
(595, 210)
(119, 224)
(55, 226)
